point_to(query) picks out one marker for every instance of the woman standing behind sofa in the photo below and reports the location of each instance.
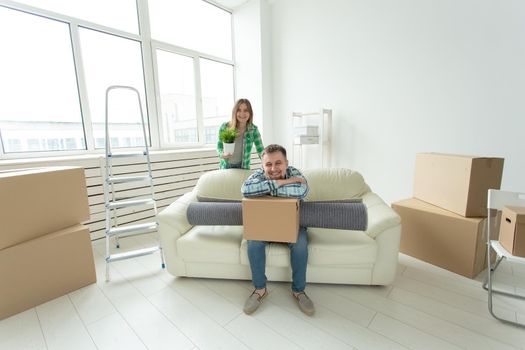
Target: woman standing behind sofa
(248, 135)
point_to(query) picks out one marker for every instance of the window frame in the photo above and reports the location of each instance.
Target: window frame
(150, 71)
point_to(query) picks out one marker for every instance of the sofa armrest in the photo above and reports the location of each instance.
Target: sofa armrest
(173, 222)
(380, 216)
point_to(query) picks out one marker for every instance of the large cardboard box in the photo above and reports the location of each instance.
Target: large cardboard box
(45, 268)
(35, 202)
(272, 219)
(442, 238)
(512, 230)
(457, 183)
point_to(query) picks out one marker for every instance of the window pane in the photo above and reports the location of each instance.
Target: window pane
(40, 103)
(193, 24)
(119, 14)
(177, 97)
(112, 60)
(217, 96)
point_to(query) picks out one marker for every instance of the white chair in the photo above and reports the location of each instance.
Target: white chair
(496, 200)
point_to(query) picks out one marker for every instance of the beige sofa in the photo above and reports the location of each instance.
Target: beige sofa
(335, 256)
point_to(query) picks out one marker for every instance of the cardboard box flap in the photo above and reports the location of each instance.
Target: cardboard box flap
(459, 156)
(417, 204)
(29, 171)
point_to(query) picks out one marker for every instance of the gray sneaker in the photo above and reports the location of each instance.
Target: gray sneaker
(305, 304)
(253, 302)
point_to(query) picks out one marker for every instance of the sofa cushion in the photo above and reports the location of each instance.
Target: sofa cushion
(326, 247)
(221, 184)
(334, 184)
(329, 247)
(211, 244)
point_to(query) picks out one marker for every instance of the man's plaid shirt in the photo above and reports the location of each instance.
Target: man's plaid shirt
(258, 185)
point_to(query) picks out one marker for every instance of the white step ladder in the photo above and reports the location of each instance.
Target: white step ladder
(113, 203)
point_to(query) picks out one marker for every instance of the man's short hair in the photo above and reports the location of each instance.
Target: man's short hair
(274, 148)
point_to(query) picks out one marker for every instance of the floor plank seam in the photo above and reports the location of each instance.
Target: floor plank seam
(82, 320)
(171, 322)
(41, 329)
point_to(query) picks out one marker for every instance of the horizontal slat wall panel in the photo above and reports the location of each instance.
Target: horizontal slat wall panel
(169, 156)
(167, 176)
(174, 174)
(255, 162)
(158, 196)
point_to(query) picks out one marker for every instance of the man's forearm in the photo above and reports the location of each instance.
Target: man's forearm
(294, 190)
(257, 187)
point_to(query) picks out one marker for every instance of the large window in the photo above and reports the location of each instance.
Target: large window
(62, 56)
(185, 76)
(111, 60)
(177, 96)
(38, 85)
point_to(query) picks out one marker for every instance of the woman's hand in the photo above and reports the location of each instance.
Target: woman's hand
(226, 155)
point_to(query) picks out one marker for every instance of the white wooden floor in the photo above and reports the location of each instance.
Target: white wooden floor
(143, 307)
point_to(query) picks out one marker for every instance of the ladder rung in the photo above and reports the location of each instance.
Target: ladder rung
(127, 154)
(135, 229)
(125, 179)
(132, 254)
(129, 203)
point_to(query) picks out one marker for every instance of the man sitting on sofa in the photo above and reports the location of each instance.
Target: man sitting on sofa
(276, 178)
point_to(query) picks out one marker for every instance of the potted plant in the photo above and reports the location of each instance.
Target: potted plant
(227, 136)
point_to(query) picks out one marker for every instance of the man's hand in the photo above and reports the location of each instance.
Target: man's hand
(292, 180)
(226, 155)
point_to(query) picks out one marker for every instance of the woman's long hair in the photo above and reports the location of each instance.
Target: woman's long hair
(236, 106)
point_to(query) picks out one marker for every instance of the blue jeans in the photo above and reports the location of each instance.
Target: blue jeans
(298, 259)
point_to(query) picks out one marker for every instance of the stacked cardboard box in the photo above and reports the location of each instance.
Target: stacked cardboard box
(445, 223)
(512, 233)
(45, 251)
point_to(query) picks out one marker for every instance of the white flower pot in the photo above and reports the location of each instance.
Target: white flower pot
(228, 147)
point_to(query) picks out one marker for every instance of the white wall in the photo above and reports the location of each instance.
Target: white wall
(403, 77)
(252, 56)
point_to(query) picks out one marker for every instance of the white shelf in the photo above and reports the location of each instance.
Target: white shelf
(305, 140)
(311, 139)
(307, 130)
